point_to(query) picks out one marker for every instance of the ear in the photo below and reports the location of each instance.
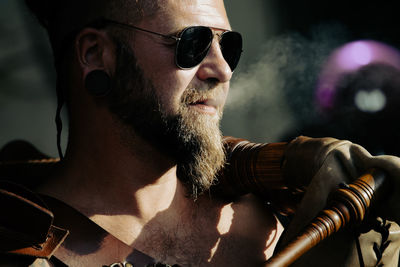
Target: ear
(94, 51)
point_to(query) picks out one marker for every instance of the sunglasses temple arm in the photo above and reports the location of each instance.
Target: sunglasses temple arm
(143, 30)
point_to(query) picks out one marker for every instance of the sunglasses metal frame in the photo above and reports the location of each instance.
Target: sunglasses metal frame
(176, 38)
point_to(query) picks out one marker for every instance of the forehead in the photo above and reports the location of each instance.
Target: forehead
(181, 13)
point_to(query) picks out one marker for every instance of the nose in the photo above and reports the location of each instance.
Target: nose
(214, 67)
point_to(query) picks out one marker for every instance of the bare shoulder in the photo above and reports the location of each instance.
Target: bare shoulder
(247, 230)
(256, 222)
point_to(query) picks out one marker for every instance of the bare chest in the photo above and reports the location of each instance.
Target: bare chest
(206, 241)
(223, 236)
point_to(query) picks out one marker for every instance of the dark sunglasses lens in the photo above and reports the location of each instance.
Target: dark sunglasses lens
(193, 46)
(231, 46)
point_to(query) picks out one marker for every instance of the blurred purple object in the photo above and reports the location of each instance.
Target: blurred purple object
(350, 58)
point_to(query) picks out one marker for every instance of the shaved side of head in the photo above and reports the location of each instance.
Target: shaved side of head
(64, 19)
(61, 19)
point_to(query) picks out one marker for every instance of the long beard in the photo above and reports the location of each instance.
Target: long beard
(201, 138)
(190, 138)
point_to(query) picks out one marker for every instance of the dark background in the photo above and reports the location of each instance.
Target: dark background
(272, 95)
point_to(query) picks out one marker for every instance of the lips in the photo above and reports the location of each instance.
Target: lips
(208, 106)
(208, 100)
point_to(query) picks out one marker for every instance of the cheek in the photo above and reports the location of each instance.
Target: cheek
(154, 59)
(170, 87)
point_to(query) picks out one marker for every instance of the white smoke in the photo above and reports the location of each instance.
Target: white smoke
(274, 95)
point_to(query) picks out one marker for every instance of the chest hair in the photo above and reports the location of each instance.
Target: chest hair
(187, 240)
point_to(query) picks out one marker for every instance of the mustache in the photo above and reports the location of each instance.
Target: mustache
(200, 94)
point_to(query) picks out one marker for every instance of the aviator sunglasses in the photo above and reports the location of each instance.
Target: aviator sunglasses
(194, 42)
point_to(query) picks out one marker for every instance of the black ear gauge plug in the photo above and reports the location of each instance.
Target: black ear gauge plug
(98, 83)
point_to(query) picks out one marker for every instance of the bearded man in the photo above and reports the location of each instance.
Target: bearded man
(145, 83)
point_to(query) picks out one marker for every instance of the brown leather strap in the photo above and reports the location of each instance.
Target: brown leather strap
(88, 242)
(26, 224)
(27, 229)
(56, 236)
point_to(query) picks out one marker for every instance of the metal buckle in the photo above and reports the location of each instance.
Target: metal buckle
(121, 264)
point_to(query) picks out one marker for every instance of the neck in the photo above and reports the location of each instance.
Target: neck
(116, 185)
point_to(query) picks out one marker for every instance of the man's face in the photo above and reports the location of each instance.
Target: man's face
(177, 111)
(156, 55)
